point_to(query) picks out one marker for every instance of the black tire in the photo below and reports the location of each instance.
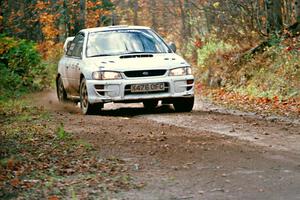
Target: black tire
(86, 107)
(184, 104)
(60, 90)
(150, 104)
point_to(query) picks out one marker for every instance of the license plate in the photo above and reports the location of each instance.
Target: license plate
(149, 87)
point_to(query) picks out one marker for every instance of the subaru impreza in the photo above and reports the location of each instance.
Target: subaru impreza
(123, 64)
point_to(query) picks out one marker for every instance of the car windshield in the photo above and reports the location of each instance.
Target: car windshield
(118, 42)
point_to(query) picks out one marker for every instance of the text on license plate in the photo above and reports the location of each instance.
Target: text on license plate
(149, 87)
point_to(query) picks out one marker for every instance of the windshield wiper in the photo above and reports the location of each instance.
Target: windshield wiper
(137, 52)
(124, 53)
(99, 55)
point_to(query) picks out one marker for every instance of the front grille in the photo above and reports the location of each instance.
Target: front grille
(145, 73)
(128, 90)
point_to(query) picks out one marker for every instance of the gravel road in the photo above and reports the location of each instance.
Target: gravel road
(210, 153)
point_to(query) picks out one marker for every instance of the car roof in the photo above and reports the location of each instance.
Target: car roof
(111, 28)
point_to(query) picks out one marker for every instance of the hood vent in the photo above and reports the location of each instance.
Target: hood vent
(137, 56)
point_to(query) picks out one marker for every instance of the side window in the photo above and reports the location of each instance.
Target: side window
(79, 39)
(76, 46)
(70, 49)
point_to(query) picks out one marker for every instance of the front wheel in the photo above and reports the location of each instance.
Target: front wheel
(184, 104)
(86, 107)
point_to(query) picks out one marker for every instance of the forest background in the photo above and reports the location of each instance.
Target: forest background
(245, 53)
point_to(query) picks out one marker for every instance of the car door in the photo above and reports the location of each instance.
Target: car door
(75, 64)
(66, 66)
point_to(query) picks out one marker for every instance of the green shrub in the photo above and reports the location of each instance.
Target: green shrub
(210, 60)
(275, 72)
(211, 46)
(20, 67)
(9, 82)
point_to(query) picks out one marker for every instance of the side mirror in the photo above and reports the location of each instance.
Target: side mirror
(67, 43)
(172, 46)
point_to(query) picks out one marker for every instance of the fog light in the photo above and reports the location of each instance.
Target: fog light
(100, 87)
(189, 82)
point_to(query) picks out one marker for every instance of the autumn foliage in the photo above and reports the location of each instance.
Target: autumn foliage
(47, 20)
(212, 35)
(264, 105)
(20, 67)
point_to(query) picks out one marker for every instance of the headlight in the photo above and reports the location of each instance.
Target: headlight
(181, 71)
(189, 71)
(106, 75)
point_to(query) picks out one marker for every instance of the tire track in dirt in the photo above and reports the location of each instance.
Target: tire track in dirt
(179, 162)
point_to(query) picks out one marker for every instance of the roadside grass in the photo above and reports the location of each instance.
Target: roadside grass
(39, 159)
(266, 82)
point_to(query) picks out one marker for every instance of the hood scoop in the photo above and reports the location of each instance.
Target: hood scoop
(136, 56)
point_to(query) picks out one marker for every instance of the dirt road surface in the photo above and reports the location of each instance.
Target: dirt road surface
(211, 153)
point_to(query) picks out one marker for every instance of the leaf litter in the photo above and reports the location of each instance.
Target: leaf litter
(39, 159)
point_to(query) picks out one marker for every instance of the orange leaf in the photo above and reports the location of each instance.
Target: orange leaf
(15, 182)
(53, 198)
(10, 164)
(2, 178)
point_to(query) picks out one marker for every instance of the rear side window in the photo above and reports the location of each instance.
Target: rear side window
(70, 49)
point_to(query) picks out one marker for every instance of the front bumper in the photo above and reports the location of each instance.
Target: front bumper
(100, 91)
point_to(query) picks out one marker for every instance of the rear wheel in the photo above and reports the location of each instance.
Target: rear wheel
(184, 104)
(150, 104)
(86, 107)
(61, 92)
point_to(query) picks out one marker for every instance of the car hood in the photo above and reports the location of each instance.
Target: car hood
(136, 62)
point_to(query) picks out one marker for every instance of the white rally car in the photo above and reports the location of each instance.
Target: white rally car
(123, 64)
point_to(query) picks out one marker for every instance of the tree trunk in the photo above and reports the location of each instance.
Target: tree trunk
(297, 10)
(187, 7)
(1, 15)
(135, 7)
(82, 14)
(165, 18)
(183, 22)
(66, 19)
(153, 14)
(274, 15)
